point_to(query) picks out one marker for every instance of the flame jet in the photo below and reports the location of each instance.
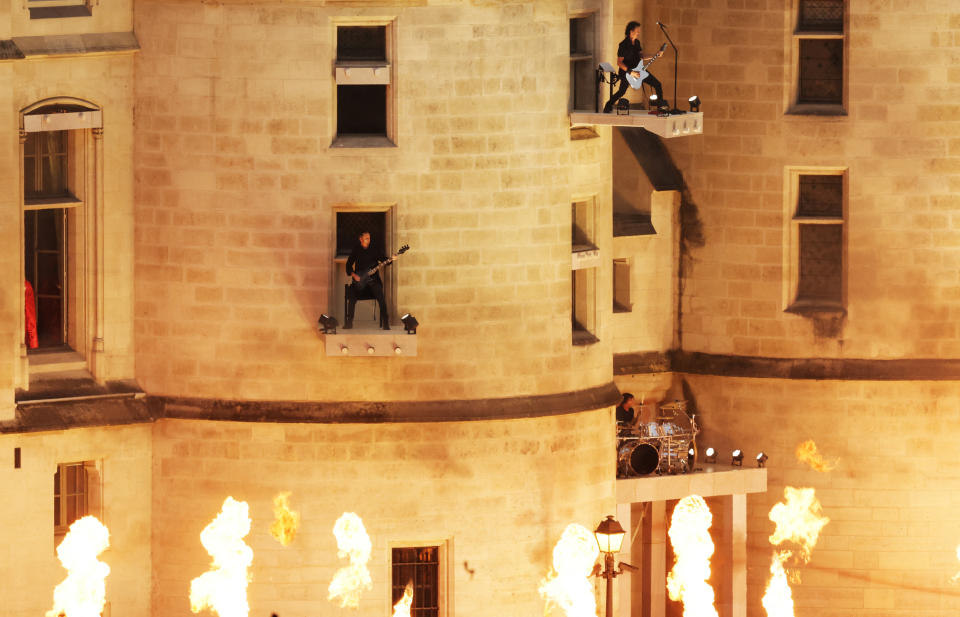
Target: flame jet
(690, 537)
(402, 607)
(83, 592)
(807, 453)
(352, 542)
(568, 586)
(286, 521)
(799, 520)
(224, 588)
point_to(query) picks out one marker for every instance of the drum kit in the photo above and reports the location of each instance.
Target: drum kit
(662, 446)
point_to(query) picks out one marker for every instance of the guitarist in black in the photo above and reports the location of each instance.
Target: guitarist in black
(629, 55)
(361, 260)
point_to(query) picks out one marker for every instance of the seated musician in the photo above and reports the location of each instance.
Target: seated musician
(362, 259)
(628, 417)
(629, 55)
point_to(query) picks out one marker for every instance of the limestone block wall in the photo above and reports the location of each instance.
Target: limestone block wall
(29, 567)
(237, 184)
(496, 494)
(898, 140)
(104, 17)
(890, 546)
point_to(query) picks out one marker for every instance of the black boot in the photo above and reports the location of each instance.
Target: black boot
(385, 324)
(608, 108)
(348, 323)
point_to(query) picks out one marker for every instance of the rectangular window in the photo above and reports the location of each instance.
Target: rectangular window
(816, 215)
(48, 9)
(350, 222)
(583, 74)
(364, 77)
(582, 226)
(818, 50)
(621, 286)
(76, 493)
(45, 251)
(418, 567)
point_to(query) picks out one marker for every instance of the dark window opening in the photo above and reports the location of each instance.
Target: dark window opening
(45, 165)
(362, 43)
(69, 495)
(821, 264)
(582, 66)
(621, 286)
(583, 309)
(351, 224)
(821, 196)
(44, 252)
(821, 71)
(419, 566)
(362, 110)
(821, 16)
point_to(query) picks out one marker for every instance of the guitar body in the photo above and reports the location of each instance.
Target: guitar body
(369, 274)
(637, 82)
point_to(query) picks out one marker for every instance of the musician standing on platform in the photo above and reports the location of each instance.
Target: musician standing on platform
(361, 260)
(629, 55)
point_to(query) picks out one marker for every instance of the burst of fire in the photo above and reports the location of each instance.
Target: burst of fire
(568, 587)
(807, 453)
(690, 536)
(402, 607)
(352, 542)
(83, 592)
(799, 520)
(956, 577)
(778, 599)
(286, 521)
(223, 588)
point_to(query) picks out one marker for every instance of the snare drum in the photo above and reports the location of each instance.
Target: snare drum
(637, 458)
(653, 430)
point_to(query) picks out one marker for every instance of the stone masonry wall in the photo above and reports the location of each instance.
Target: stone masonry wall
(499, 493)
(237, 183)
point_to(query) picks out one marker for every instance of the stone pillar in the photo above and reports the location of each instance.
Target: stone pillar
(22, 376)
(655, 560)
(95, 201)
(625, 580)
(737, 517)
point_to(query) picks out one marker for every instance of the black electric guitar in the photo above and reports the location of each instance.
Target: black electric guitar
(365, 277)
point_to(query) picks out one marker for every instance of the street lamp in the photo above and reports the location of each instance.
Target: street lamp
(609, 535)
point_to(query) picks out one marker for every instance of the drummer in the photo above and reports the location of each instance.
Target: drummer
(627, 416)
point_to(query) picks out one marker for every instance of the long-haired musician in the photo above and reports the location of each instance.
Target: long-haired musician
(361, 260)
(629, 55)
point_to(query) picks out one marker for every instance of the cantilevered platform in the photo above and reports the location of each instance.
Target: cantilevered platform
(370, 341)
(710, 481)
(680, 125)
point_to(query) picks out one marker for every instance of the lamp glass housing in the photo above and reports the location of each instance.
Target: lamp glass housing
(609, 535)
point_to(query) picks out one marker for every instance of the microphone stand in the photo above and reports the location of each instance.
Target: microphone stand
(676, 65)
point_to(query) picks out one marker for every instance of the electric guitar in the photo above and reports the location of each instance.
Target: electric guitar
(365, 277)
(641, 68)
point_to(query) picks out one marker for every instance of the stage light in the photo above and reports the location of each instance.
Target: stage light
(410, 323)
(737, 458)
(344, 350)
(371, 350)
(694, 103)
(397, 350)
(761, 459)
(328, 324)
(654, 101)
(711, 456)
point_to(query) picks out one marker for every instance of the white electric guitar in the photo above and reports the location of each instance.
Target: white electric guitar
(641, 68)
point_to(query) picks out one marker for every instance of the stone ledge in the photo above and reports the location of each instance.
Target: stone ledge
(680, 125)
(712, 481)
(395, 343)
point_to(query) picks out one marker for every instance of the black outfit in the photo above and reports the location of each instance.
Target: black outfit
(624, 415)
(362, 260)
(632, 54)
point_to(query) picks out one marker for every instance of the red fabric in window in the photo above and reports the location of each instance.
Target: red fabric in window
(31, 316)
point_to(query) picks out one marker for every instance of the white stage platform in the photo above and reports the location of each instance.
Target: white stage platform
(371, 342)
(681, 125)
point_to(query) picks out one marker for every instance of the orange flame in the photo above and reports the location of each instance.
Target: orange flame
(956, 577)
(807, 453)
(690, 536)
(799, 520)
(83, 592)
(778, 599)
(402, 607)
(286, 521)
(567, 587)
(352, 542)
(223, 588)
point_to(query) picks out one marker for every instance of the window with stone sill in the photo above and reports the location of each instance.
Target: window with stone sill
(418, 567)
(54, 9)
(815, 240)
(365, 109)
(77, 492)
(621, 286)
(818, 58)
(583, 68)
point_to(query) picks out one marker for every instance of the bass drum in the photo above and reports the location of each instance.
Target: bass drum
(637, 458)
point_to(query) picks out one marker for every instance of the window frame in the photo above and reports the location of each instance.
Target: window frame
(338, 277)
(793, 105)
(365, 72)
(92, 473)
(791, 239)
(53, 9)
(588, 57)
(444, 580)
(623, 265)
(585, 266)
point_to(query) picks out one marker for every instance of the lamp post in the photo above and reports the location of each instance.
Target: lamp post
(609, 536)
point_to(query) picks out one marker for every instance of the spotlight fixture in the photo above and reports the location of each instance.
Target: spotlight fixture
(694, 103)
(328, 324)
(736, 459)
(762, 459)
(654, 101)
(397, 350)
(371, 350)
(344, 350)
(410, 323)
(711, 456)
